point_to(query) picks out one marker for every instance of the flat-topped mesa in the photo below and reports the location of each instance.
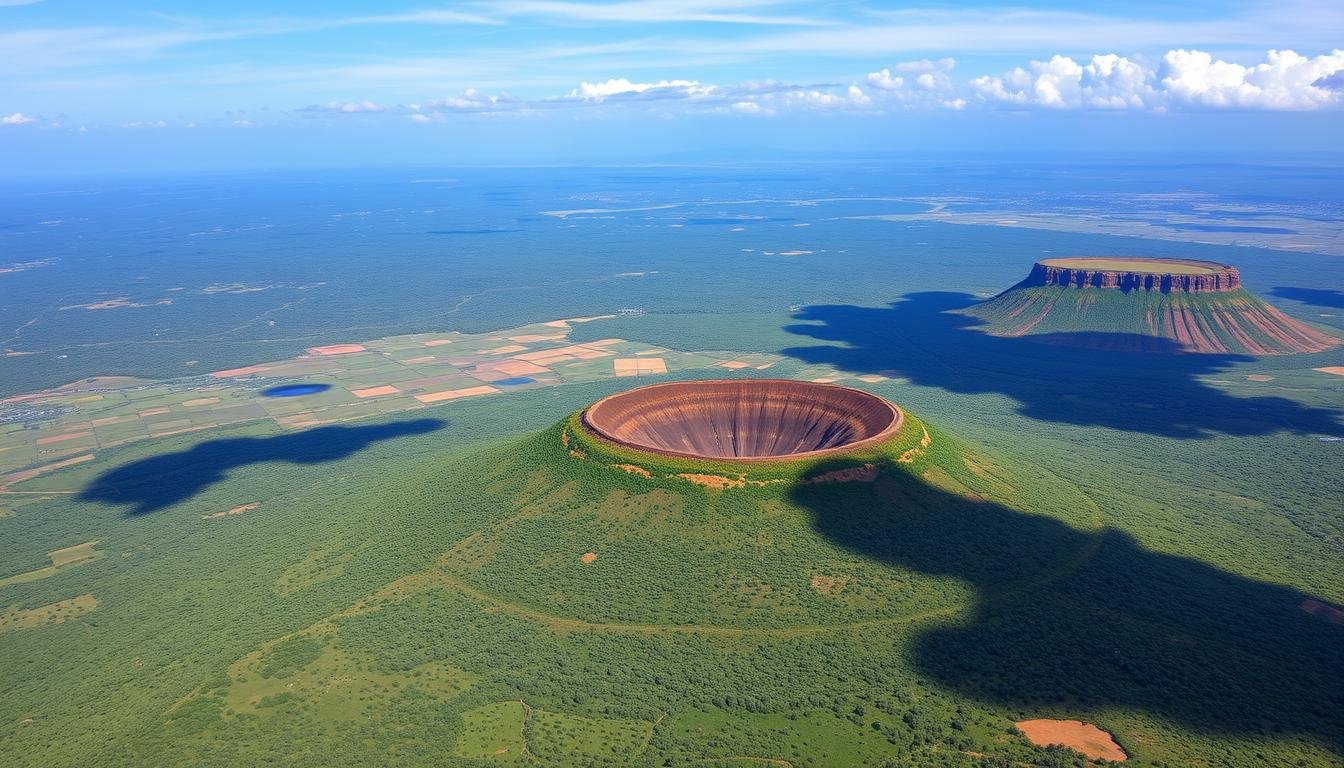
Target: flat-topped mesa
(1131, 304)
(1135, 274)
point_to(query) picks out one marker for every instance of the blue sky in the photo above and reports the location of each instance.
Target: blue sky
(88, 84)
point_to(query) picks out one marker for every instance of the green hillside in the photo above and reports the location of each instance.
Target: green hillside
(536, 603)
(1233, 321)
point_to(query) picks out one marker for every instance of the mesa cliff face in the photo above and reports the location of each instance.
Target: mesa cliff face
(1220, 278)
(1145, 305)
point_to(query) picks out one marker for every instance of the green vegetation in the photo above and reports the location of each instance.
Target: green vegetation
(493, 730)
(429, 605)
(1226, 321)
(60, 558)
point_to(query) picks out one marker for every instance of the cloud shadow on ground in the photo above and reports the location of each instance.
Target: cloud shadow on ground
(1072, 623)
(153, 483)
(1084, 379)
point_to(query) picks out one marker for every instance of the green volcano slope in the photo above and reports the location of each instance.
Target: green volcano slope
(1145, 305)
(563, 599)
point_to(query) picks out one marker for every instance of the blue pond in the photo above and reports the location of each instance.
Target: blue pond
(515, 381)
(295, 390)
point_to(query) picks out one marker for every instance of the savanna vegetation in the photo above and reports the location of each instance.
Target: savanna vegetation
(413, 603)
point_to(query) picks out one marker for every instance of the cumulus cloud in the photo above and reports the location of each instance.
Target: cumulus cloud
(923, 83)
(1284, 81)
(1106, 82)
(1180, 79)
(18, 118)
(884, 80)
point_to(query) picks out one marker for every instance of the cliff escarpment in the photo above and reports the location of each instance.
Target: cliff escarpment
(1134, 274)
(1145, 305)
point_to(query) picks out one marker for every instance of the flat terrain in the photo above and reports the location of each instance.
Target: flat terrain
(1154, 266)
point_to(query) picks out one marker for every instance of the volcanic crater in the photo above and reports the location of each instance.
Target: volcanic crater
(744, 419)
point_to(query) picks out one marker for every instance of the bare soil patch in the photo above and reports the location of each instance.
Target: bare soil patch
(238, 510)
(453, 394)
(386, 389)
(588, 557)
(246, 371)
(517, 367)
(336, 349)
(1081, 737)
(634, 470)
(828, 585)
(639, 366)
(717, 482)
(62, 438)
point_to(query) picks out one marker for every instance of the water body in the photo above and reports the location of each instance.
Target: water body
(295, 390)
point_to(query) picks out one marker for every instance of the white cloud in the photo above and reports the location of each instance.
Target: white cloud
(884, 80)
(18, 118)
(243, 123)
(1189, 79)
(1284, 81)
(922, 83)
(621, 87)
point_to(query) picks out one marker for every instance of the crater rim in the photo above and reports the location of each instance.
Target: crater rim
(884, 421)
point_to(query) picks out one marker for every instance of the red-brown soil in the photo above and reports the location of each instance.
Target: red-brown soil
(1081, 737)
(749, 419)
